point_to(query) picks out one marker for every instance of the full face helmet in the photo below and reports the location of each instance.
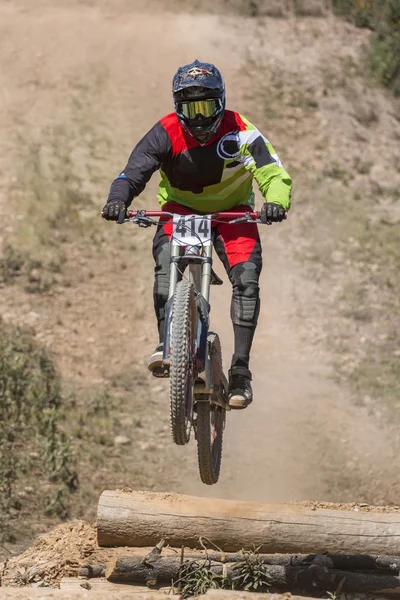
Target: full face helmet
(199, 97)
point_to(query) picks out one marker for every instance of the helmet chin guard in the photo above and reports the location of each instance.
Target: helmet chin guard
(202, 132)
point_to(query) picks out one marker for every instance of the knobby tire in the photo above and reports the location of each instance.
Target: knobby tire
(183, 346)
(210, 426)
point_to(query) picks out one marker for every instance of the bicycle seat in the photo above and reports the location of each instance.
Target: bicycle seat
(215, 280)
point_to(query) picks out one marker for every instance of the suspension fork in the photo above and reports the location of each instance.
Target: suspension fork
(173, 270)
(206, 274)
(203, 307)
(173, 280)
(204, 390)
(200, 275)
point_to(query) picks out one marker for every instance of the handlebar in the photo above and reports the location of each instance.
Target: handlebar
(145, 217)
(153, 214)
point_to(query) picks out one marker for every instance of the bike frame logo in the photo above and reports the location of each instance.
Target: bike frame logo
(229, 146)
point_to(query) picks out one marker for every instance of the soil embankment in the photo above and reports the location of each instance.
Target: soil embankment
(103, 75)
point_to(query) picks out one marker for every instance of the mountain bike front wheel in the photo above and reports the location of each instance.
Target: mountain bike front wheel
(210, 425)
(183, 352)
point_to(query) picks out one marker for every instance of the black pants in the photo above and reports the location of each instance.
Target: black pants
(244, 277)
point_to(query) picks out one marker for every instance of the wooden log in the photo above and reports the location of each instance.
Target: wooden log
(314, 577)
(345, 562)
(92, 571)
(137, 569)
(131, 518)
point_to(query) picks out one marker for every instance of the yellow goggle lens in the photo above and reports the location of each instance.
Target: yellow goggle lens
(205, 108)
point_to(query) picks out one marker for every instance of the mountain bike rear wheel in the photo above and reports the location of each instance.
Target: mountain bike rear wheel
(210, 425)
(183, 351)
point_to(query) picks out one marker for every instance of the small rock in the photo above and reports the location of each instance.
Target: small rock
(121, 440)
(35, 572)
(86, 585)
(38, 584)
(34, 275)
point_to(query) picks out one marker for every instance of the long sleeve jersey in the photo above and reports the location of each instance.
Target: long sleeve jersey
(214, 177)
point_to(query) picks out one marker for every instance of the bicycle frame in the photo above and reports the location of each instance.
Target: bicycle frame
(198, 260)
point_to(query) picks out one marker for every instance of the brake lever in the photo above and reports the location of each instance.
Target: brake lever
(244, 220)
(142, 221)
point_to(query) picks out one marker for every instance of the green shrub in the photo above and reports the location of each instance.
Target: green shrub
(31, 441)
(385, 45)
(383, 17)
(360, 12)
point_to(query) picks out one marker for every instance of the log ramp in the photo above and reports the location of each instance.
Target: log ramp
(303, 548)
(131, 518)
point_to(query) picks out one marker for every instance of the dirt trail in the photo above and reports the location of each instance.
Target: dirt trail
(302, 438)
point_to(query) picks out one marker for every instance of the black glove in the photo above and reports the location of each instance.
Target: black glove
(115, 211)
(271, 212)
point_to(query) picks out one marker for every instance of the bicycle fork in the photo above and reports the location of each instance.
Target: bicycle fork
(200, 274)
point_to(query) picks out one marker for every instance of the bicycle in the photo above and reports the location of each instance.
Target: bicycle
(192, 356)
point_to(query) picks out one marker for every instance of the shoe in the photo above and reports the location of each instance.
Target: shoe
(240, 394)
(155, 364)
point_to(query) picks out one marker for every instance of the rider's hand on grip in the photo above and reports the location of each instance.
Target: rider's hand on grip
(272, 213)
(115, 211)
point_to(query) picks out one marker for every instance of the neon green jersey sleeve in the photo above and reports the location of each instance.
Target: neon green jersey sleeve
(260, 159)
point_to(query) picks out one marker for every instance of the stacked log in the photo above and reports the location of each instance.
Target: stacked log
(301, 548)
(131, 518)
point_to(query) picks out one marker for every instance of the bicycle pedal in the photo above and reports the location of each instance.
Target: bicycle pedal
(161, 372)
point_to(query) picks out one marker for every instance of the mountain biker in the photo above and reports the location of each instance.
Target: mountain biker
(208, 157)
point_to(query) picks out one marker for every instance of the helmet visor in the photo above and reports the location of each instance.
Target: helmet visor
(204, 108)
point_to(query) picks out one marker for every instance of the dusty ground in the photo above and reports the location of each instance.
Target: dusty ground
(102, 71)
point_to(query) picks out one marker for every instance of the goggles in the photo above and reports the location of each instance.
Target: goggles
(205, 108)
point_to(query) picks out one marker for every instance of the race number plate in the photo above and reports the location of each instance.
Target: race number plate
(192, 230)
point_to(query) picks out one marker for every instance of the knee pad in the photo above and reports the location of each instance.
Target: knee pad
(245, 305)
(161, 270)
(161, 280)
